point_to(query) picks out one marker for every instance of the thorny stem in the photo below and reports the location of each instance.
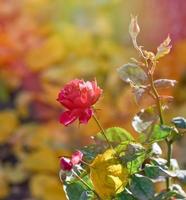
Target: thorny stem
(102, 130)
(79, 178)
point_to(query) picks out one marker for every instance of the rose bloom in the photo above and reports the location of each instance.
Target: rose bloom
(78, 97)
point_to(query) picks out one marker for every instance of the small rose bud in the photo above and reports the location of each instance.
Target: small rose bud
(65, 164)
(134, 27)
(76, 157)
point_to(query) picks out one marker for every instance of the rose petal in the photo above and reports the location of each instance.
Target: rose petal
(68, 117)
(85, 115)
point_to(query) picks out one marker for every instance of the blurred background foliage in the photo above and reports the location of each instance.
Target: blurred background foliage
(46, 43)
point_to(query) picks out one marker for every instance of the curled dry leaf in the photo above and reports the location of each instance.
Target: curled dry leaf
(163, 49)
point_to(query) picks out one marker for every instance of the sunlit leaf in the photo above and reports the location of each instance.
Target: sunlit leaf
(156, 149)
(116, 134)
(132, 73)
(164, 48)
(144, 119)
(159, 133)
(139, 92)
(165, 83)
(181, 175)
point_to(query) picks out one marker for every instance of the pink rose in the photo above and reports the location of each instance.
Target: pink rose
(76, 157)
(67, 164)
(78, 97)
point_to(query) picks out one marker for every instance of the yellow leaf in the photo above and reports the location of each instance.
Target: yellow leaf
(4, 191)
(46, 187)
(51, 52)
(43, 160)
(8, 124)
(108, 176)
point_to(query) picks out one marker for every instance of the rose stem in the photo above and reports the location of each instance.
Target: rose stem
(80, 179)
(158, 103)
(102, 130)
(169, 143)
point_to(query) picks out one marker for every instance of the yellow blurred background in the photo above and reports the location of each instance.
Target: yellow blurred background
(46, 43)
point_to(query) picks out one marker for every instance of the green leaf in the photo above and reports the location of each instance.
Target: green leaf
(74, 190)
(168, 195)
(160, 132)
(135, 165)
(132, 155)
(164, 48)
(87, 195)
(155, 172)
(142, 187)
(90, 152)
(132, 151)
(159, 161)
(132, 73)
(144, 119)
(179, 122)
(125, 196)
(116, 134)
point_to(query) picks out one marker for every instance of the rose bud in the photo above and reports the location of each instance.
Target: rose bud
(65, 164)
(76, 157)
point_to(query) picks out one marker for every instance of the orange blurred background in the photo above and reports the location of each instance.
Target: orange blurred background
(46, 43)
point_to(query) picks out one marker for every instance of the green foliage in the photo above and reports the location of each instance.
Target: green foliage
(159, 133)
(142, 187)
(75, 190)
(155, 172)
(125, 196)
(87, 195)
(116, 134)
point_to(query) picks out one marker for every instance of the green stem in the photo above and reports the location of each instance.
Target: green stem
(158, 102)
(169, 143)
(80, 179)
(102, 130)
(169, 156)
